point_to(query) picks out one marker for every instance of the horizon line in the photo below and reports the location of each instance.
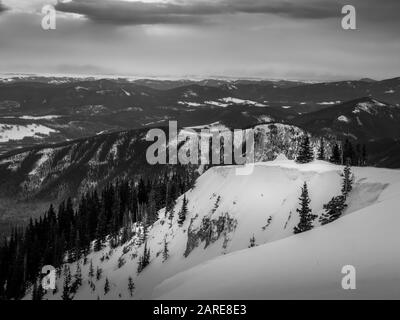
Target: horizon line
(178, 78)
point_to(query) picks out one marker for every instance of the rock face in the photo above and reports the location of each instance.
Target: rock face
(277, 139)
(210, 230)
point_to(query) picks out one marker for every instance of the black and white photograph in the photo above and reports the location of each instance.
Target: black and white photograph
(199, 150)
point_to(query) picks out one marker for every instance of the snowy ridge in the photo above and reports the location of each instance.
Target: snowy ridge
(371, 107)
(266, 210)
(307, 266)
(228, 101)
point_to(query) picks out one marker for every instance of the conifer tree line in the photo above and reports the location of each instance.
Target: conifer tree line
(332, 210)
(252, 242)
(340, 153)
(335, 207)
(67, 233)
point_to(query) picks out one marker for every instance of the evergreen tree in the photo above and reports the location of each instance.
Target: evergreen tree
(37, 291)
(131, 286)
(144, 260)
(348, 153)
(143, 234)
(171, 215)
(78, 274)
(34, 291)
(165, 251)
(106, 286)
(358, 155)
(252, 242)
(101, 230)
(99, 271)
(183, 212)
(91, 270)
(77, 279)
(305, 154)
(364, 156)
(55, 290)
(335, 156)
(152, 208)
(146, 255)
(67, 285)
(333, 209)
(171, 195)
(121, 262)
(347, 183)
(321, 149)
(306, 217)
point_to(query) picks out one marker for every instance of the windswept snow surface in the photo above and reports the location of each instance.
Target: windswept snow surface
(283, 265)
(18, 132)
(309, 265)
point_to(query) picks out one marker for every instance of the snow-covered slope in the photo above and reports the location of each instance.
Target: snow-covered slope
(226, 210)
(306, 266)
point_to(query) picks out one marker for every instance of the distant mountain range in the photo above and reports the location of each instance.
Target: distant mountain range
(37, 110)
(59, 137)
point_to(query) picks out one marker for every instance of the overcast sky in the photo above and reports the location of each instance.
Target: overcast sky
(291, 39)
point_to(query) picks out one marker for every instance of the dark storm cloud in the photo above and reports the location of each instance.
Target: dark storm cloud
(136, 13)
(294, 39)
(3, 8)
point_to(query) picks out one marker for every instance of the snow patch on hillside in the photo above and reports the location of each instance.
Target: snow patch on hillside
(264, 119)
(343, 119)
(10, 132)
(225, 102)
(231, 100)
(14, 162)
(189, 93)
(370, 107)
(45, 155)
(47, 117)
(329, 103)
(190, 104)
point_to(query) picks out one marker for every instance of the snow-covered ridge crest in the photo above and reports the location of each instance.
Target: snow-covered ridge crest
(309, 266)
(371, 107)
(235, 208)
